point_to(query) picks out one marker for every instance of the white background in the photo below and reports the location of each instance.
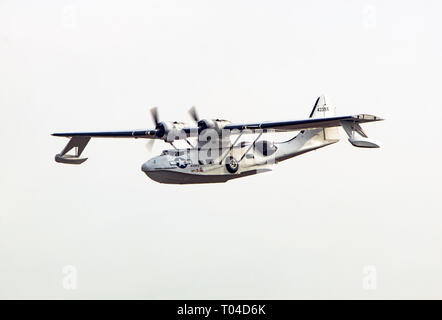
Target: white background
(306, 230)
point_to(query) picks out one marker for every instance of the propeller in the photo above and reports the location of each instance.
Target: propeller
(149, 144)
(156, 120)
(194, 114)
(155, 116)
(159, 127)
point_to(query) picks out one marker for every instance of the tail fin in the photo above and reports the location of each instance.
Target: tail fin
(321, 109)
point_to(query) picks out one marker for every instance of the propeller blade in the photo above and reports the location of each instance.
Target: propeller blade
(149, 145)
(155, 116)
(194, 114)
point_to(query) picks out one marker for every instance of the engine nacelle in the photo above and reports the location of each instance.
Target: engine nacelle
(212, 135)
(170, 131)
(216, 124)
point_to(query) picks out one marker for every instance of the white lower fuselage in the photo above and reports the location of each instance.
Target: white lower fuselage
(198, 165)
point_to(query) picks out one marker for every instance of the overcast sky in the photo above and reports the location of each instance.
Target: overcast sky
(309, 229)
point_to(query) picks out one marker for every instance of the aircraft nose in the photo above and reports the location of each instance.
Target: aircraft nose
(146, 167)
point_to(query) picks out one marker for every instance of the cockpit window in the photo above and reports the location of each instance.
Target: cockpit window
(173, 153)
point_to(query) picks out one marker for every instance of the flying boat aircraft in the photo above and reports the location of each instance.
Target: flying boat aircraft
(214, 158)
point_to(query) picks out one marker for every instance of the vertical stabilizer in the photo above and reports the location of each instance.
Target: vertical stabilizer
(322, 109)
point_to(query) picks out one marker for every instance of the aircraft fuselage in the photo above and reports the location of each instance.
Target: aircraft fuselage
(186, 166)
(204, 165)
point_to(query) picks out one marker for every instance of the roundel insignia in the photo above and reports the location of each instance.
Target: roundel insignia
(181, 162)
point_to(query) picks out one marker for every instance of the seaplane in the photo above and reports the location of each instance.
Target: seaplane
(217, 154)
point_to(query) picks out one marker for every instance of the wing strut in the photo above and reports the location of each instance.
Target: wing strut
(250, 147)
(231, 147)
